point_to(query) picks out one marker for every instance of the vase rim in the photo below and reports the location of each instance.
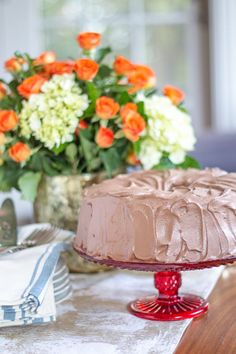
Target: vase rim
(76, 176)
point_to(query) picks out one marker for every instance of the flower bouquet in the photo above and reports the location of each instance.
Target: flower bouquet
(83, 116)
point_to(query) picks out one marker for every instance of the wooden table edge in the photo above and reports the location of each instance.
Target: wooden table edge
(215, 332)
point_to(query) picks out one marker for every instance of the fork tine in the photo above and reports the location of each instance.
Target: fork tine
(35, 234)
(39, 234)
(32, 235)
(45, 240)
(48, 236)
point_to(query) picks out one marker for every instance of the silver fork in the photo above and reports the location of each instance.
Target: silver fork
(36, 238)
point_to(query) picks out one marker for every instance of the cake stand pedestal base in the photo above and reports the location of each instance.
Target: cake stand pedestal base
(168, 305)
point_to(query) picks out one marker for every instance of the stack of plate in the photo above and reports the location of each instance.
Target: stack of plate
(61, 282)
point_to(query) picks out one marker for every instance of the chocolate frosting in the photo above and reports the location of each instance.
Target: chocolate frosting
(165, 216)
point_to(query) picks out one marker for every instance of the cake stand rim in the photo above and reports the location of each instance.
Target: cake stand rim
(158, 266)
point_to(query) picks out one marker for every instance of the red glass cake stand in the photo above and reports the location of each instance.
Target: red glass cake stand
(168, 304)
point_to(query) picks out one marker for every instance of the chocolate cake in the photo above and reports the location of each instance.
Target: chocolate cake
(170, 216)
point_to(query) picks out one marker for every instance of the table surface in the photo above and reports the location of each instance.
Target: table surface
(95, 319)
(215, 333)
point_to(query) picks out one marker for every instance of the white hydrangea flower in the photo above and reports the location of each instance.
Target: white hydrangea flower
(169, 131)
(52, 116)
(177, 156)
(149, 155)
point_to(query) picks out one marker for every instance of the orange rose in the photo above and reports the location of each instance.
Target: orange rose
(141, 77)
(8, 120)
(175, 94)
(132, 159)
(106, 107)
(59, 67)
(88, 40)
(19, 152)
(82, 125)
(122, 65)
(31, 85)
(2, 138)
(86, 69)
(127, 109)
(14, 64)
(3, 90)
(104, 137)
(45, 58)
(133, 126)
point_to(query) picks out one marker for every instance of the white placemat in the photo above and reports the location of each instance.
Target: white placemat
(95, 320)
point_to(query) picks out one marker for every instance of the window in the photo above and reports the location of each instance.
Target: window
(159, 33)
(169, 35)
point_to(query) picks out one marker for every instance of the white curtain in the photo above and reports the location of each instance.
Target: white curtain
(223, 63)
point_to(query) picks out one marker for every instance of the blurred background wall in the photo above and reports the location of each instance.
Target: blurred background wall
(189, 43)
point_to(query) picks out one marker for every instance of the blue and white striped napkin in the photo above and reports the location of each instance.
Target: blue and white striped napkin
(27, 293)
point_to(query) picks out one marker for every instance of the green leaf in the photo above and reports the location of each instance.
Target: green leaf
(7, 102)
(104, 123)
(182, 108)
(104, 71)
(95, 163)
(48, 167)
(18, 54)
(149, 92)
(189, 162)
(87, 133)
(137, 146)
(95, 119)
(93, 91)
(119, 134)
(89, 111)
(124, 98)
(111, 160)
(165, 164)
(89, 149)
(101, 53)
(9, 174)
(13, 86)
(71, 152)
(57, 150)
(141, 108)
(36, 161)
(28, 184)
(117, 88)
(4, 183)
